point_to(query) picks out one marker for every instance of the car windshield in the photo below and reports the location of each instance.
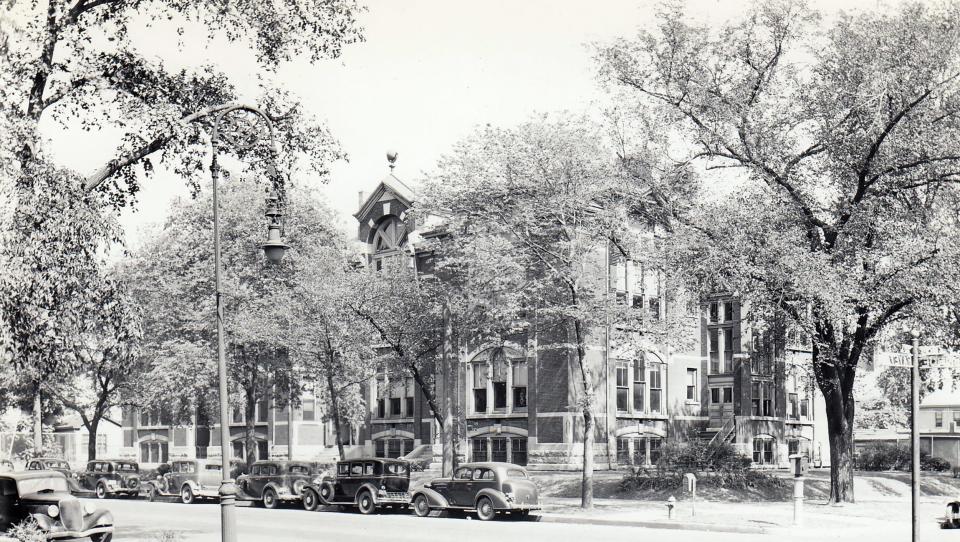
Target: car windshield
(42, 485)
(126, 467)
(516, 473)
(395, 468)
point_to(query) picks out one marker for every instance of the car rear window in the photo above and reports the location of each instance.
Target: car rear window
(212, 467)
(516, 473)
(396, 468)
(126, 467)
(58, 465)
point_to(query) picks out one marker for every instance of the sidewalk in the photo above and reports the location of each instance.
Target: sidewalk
(884, 520)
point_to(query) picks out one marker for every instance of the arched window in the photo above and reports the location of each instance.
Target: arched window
(499, 379)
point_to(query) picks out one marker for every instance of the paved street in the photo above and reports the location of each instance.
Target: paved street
(144, 521)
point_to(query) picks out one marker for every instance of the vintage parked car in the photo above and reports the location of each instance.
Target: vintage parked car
(488, 488)
(273, 482)
(107, 477)
(44, 496)
(59, 465)
(189, 479)
(368, 484)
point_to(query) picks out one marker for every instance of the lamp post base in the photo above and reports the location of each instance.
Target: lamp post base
(228, 499)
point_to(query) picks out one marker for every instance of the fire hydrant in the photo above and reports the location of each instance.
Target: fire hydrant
(671, 503)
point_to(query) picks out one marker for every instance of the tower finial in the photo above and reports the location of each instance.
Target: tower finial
(392, 159)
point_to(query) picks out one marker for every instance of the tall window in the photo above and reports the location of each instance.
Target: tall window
(655, 389)
(382, 397)
(639, 382)
(938, 418)
(263, 409)
(804, 408)
(755, 398)
(727, 349)
(480, 449)
(691, 384)
(519, 385)
(500, 369)
(498, 450)
(623, 386)
(308, 407)
(715, 351)
(793, 403)
(518, 451)
(480, 387)
(763, 451)
(715, 396)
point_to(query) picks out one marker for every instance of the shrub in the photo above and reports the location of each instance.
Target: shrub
(27, 531)
(715, 464)
(935, 464)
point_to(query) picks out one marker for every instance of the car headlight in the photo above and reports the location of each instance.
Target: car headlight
(382, 493)
(89, 508)
(53, 510)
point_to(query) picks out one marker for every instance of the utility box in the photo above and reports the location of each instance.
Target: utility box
(799, 464)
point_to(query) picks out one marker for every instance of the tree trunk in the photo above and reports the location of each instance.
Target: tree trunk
(840, 428)
(250, 420)
(335, 410)
(586, 483)
(835, 375)
(447, 429)
(37, 423)
(92, 427)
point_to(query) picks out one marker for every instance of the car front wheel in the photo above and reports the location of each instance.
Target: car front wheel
(270, 499)
(485, 509)
(421, 506)
(186, 495)
(310, 500)
(365, 503)
(101, 491)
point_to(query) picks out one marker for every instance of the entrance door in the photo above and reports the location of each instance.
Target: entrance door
(498, 449)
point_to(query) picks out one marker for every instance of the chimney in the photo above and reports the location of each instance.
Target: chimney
(361, 198)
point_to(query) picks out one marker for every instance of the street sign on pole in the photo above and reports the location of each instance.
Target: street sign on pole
(931, 361)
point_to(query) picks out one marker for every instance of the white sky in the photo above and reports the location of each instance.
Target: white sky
(429, 71)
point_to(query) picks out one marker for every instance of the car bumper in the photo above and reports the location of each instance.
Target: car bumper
(522, 507)
(394, 498)
(58, 535)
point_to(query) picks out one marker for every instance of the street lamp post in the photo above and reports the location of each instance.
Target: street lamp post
(915, 432)
(238, 126)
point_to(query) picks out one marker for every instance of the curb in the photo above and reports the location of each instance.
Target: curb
(708, 527)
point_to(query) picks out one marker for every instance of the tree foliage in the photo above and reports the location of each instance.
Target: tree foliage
(844, 219)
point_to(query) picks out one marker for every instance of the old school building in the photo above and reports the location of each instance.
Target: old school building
(517, 403)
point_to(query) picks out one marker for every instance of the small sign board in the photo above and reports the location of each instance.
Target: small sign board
(936, 361)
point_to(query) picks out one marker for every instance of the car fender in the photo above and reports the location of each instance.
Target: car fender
(194, 486)
(498, 498)
(276, 488)
(73, 485)
(435, 499)
(316, 489)
(369, 487)
(98, 517)
(106, 483)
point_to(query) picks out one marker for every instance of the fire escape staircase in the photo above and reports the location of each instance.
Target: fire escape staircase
(726, 433)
